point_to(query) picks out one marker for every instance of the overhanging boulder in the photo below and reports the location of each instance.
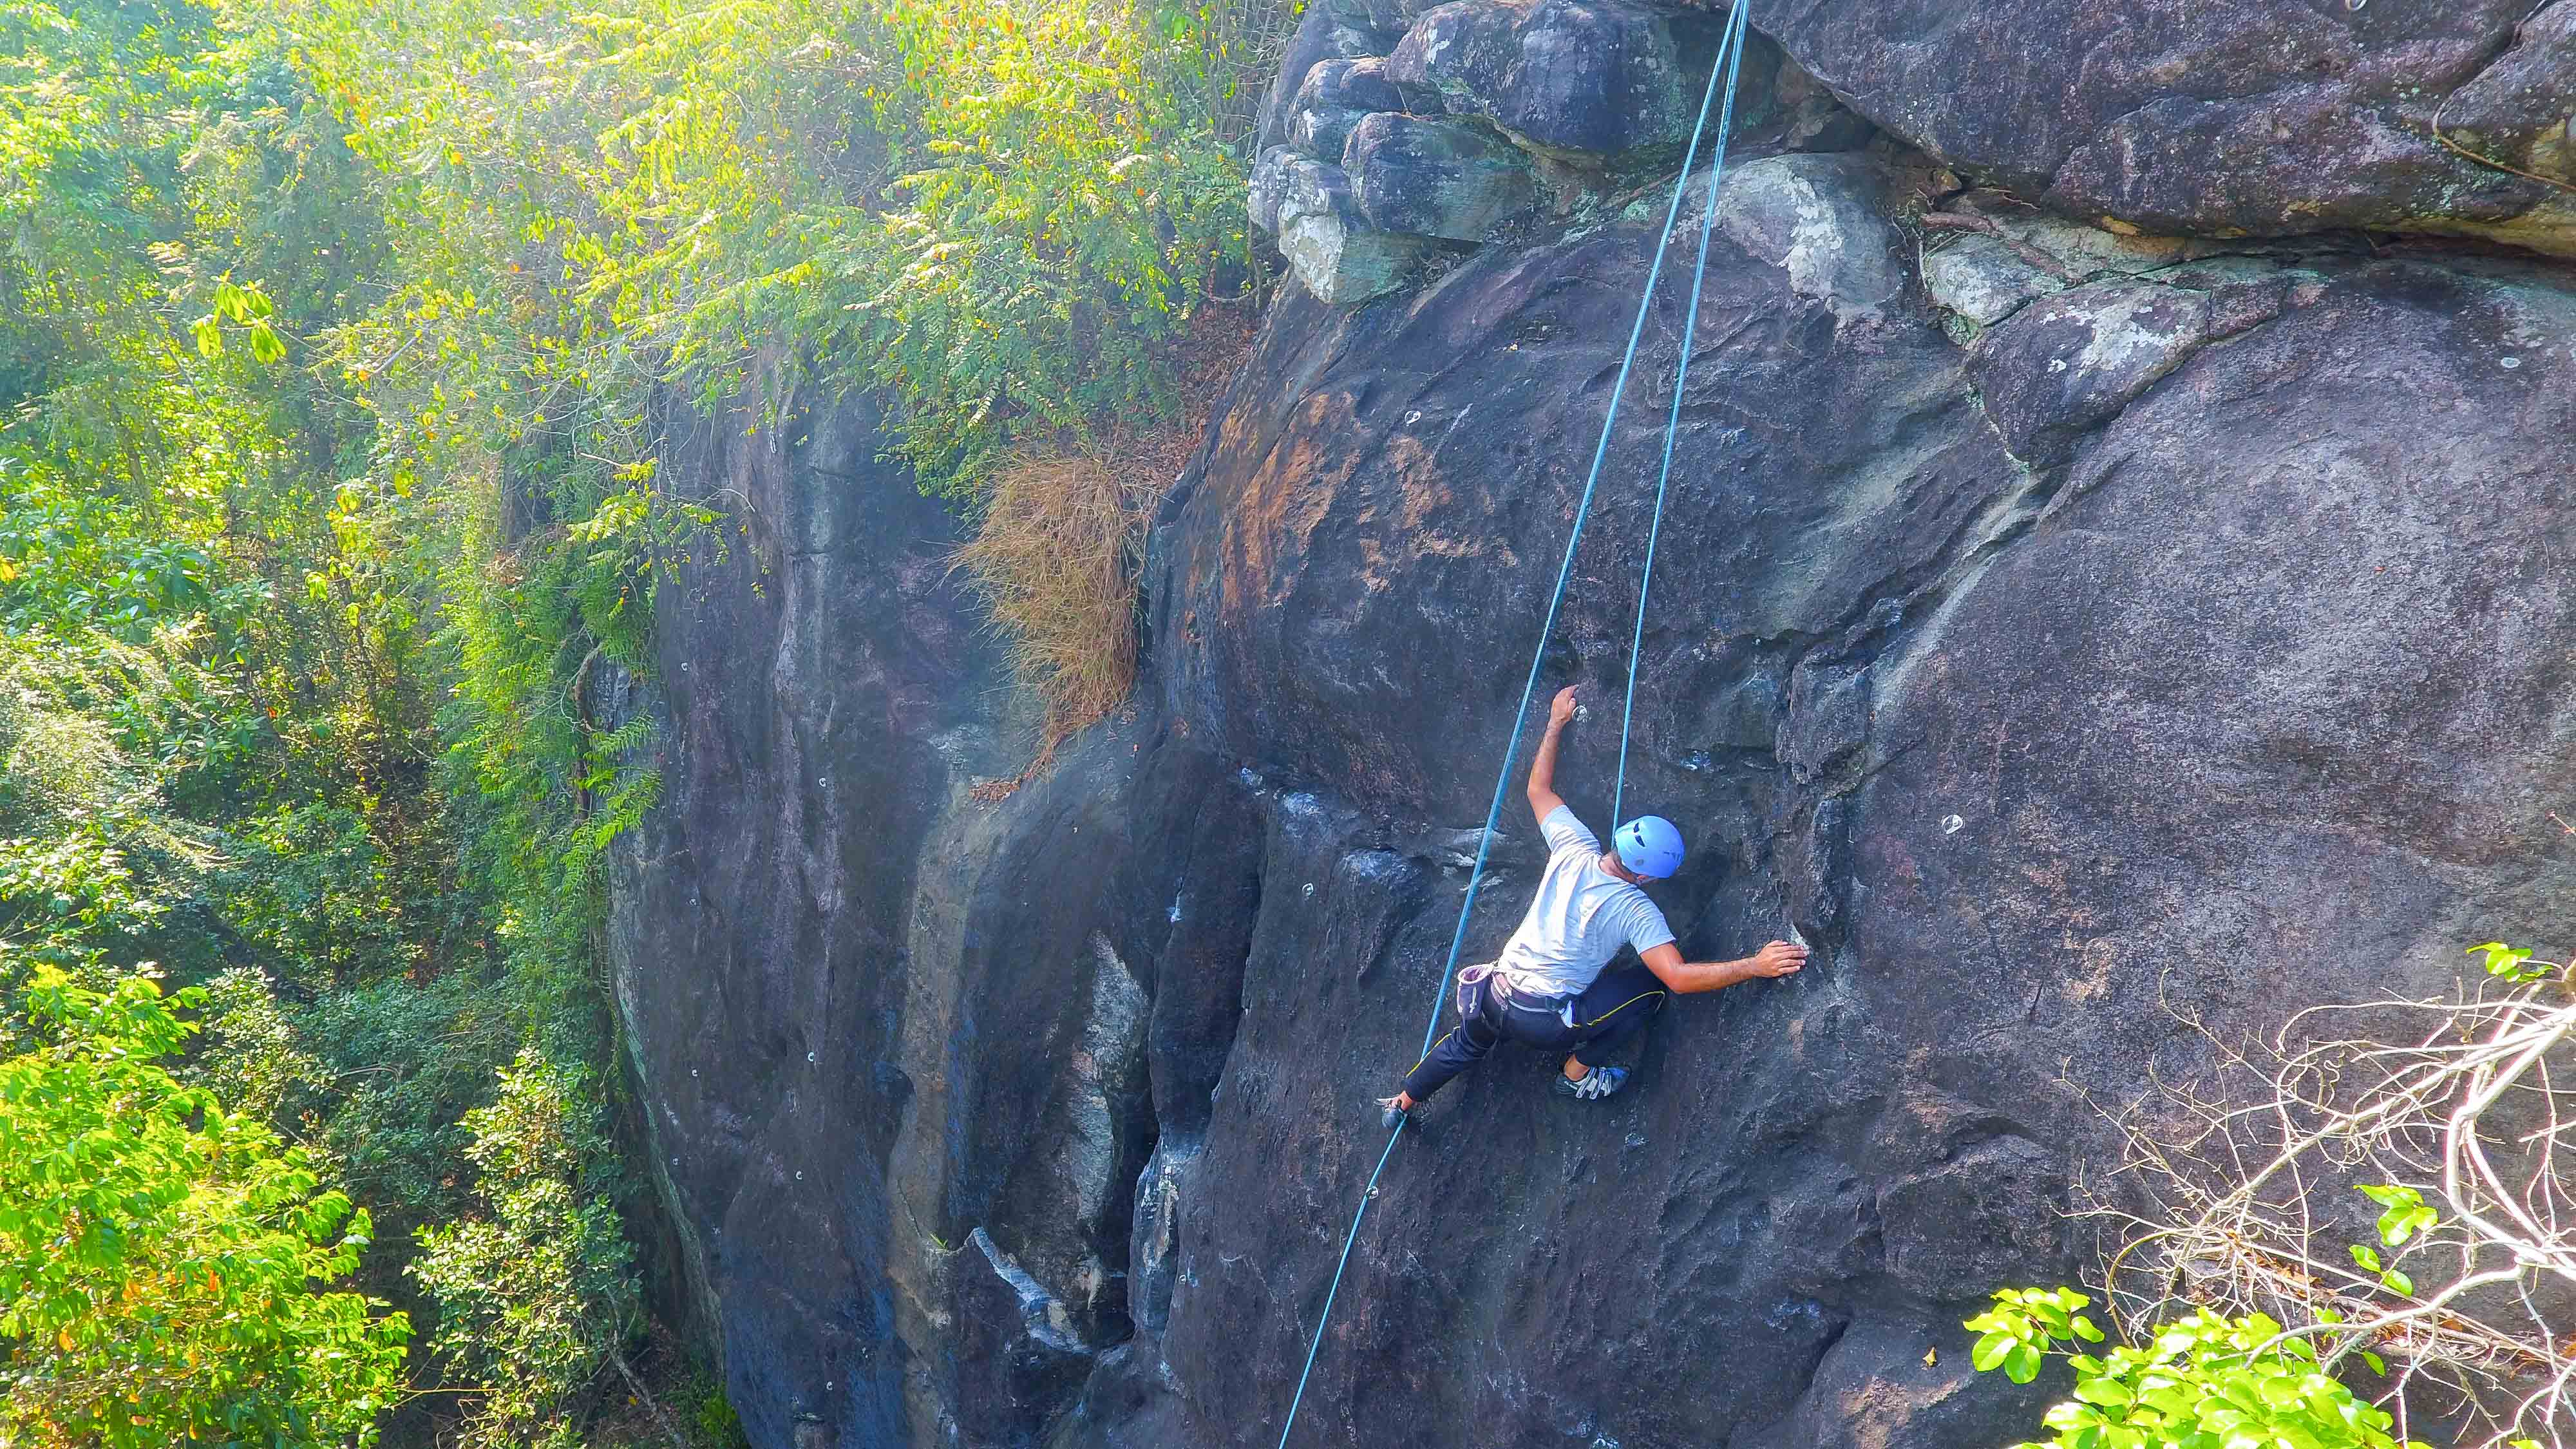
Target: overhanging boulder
(1580, 80)
(1435, 178)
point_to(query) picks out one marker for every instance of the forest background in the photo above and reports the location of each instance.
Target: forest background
(337, 342)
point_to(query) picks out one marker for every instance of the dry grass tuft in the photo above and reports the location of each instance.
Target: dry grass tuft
(1055, 562)
(1056, 557)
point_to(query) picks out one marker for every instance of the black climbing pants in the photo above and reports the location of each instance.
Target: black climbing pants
(1617, 1007)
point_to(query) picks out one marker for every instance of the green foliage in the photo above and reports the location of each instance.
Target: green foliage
(406, 1061)
(314, 890)
(535, 1292)
(2204, 1382)
(712, 1420)
(2514, 965)
(2405, 1213)
(157, 1252)
(1035, 197)
(338, 345)
(252, 1056)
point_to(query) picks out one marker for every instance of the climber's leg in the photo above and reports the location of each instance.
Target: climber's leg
(1618, 1006)
(1459, 1048)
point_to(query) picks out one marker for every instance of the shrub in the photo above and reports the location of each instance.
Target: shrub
(158, 1253)
(536, 1295)
(1055, 564)
(1056, 553)
(2203, 1381)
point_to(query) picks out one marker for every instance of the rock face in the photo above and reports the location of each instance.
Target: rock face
(2073, 624)
(2098, 577)
(2223, 117)
(1581, 79)
(2213, 118)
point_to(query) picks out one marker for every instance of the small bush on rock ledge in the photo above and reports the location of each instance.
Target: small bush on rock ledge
(1056, 554)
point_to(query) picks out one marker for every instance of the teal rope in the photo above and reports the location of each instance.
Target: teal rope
(1731, 54)
(1730, 48)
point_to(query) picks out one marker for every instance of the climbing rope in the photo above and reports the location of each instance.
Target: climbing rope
(1731, 51)
(1730, 54)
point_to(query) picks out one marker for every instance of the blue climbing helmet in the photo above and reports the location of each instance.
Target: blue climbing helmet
(1650, 846)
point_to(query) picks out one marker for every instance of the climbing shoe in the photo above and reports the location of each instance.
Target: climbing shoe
(1598, 1083)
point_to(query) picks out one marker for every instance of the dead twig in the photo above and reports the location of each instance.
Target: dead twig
(2245, 1200)
(1985, 226)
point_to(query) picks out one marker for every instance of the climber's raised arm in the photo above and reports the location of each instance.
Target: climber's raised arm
(1688, 978)
(1543, 798)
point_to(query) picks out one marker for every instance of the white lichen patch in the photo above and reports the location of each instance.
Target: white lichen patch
(1981, 279)
(1809, 216)
(2127, 335)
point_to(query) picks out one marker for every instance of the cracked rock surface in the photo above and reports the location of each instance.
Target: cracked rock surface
(2085, 624)
(2223, 117)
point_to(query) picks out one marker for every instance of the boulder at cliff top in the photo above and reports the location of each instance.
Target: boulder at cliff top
(1583, 80)
(1333, 98)
(1310, 209)
(2219, 117)
(1435, 178)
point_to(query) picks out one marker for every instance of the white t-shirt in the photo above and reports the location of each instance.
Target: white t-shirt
(1579, 919)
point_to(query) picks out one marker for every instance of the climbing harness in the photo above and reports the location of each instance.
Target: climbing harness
(1730, 55)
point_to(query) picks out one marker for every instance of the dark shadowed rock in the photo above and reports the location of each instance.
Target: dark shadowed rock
(1435, 178)
(1323, 33)
(1584, 80)
(2061, 367)
(1335, 95)
(2244, 117)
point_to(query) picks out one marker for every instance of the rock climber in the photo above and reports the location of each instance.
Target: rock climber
(1548, 988)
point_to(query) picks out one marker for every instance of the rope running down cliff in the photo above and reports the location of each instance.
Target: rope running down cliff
(1730, 55)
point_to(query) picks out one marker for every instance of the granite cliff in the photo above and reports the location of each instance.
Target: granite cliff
(2118, 558)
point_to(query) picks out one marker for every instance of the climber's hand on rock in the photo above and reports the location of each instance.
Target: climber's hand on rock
(1561, 713)
(1779, 959)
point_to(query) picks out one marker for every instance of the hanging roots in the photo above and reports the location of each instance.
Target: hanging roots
(2247, 1201)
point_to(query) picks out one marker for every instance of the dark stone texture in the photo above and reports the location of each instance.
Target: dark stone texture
(1322, 34)
(2077, 358)
(1585, 80)
(1435, 178)
(2521, 110)
(2198, 631)
(1333, 98)
(1351, 85)
(1309, 208)
(2217, 117)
